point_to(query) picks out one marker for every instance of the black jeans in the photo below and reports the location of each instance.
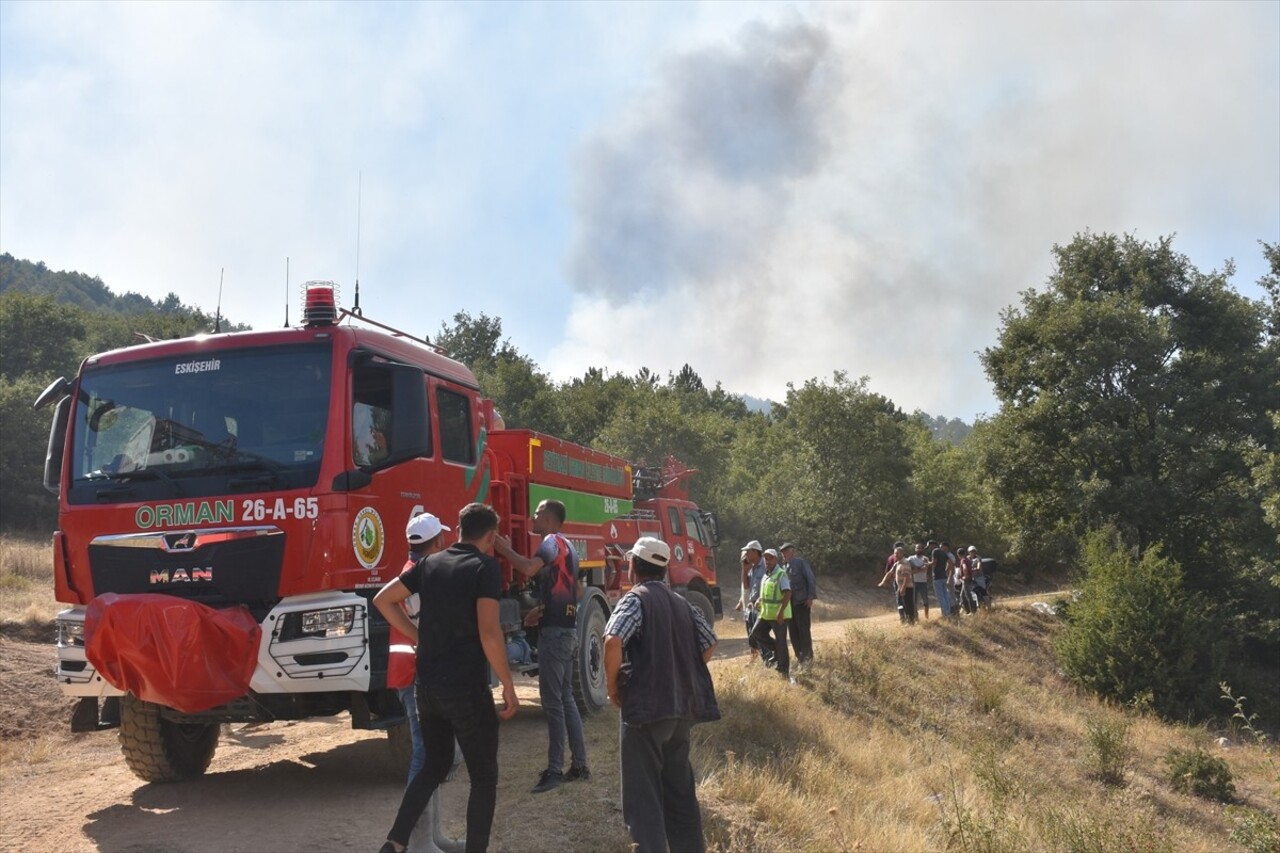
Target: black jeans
(801, 632)
(908, 599)
(659, 793)
(772, 639)
(468, 715)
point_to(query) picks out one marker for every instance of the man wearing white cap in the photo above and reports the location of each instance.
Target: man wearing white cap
(656, 648)
(753, 572)
(424, 533)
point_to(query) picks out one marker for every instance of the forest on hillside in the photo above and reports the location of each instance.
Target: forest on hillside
(1138, 436)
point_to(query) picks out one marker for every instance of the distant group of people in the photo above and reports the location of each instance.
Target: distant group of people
(778, 592)
(960, 585)
(656, 649)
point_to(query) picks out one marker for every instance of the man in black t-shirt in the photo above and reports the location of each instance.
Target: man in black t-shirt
(458, 634)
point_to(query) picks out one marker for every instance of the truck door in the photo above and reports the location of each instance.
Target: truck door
(462, 475)
(391, 448)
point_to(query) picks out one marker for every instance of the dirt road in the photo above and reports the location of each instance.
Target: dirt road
(308, 786)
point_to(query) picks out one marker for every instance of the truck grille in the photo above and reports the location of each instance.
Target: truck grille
(214, 567)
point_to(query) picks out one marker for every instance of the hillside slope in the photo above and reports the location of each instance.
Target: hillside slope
(960, 736)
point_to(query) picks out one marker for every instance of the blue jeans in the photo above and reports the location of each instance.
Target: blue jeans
(557, 652)
(944, 595)
(409, 699)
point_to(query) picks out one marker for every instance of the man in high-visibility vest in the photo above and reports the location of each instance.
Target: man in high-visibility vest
(770, 631)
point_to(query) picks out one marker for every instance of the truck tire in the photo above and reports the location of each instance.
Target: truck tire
(589, 686)
(159, 750)
(703, 603)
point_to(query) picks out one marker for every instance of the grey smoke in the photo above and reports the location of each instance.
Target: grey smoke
(692, 184)
(878, 186)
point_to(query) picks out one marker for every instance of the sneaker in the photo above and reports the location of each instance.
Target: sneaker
(548, 780)
(578, 772)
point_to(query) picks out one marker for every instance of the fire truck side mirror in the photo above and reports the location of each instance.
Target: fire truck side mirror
(410, 424)
(57, 441)
(56, 390)
(713, 526)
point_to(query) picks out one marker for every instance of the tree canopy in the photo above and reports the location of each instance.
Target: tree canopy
(1138, 396)
(1139, 393)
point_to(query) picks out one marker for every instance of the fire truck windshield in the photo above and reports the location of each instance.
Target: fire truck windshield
(230, 421)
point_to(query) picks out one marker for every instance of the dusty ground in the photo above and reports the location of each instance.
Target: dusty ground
(313, 786)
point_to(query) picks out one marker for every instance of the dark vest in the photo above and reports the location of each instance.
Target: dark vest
(669, 679)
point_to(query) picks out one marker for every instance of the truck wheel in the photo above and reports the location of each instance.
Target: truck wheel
(159, 750)
(589, 686)
(703, 603)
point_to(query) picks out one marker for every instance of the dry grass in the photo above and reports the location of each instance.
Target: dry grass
(951, 736)
(21, 752)
(26, 581)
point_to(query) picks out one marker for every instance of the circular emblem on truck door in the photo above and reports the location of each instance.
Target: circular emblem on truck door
(367, 537)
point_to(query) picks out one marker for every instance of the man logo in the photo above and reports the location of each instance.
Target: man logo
(179, 541)
(198, 575)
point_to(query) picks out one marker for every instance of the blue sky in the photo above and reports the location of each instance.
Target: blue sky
(767, 192)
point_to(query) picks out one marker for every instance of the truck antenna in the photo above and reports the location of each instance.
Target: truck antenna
(286, 291)
(355, 308)
(217, 313)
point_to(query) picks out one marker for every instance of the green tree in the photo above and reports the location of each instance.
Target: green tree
(38, 337)
(1129, 389)
(1134, 391)
(522, 394)
(1266, 461)
(587, 404)
(837, 475)
(24, 437)
(474, 341)
(950, 497)
(1132, 636)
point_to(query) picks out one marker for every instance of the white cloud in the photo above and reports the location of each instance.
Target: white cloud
(820, 179)
(930, 156)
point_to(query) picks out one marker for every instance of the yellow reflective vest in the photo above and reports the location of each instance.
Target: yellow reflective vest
(771, 593)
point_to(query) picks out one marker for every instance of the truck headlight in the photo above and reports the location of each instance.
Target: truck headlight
(70, 632)
(333, 622)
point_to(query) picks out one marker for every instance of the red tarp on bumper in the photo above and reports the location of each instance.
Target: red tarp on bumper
(173, 652)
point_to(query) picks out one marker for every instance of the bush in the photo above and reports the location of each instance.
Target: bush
(1135, 633)
(1254, 830)
(1109, 749)
(1194, 771)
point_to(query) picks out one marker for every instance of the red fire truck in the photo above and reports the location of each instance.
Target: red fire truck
(229, 504)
